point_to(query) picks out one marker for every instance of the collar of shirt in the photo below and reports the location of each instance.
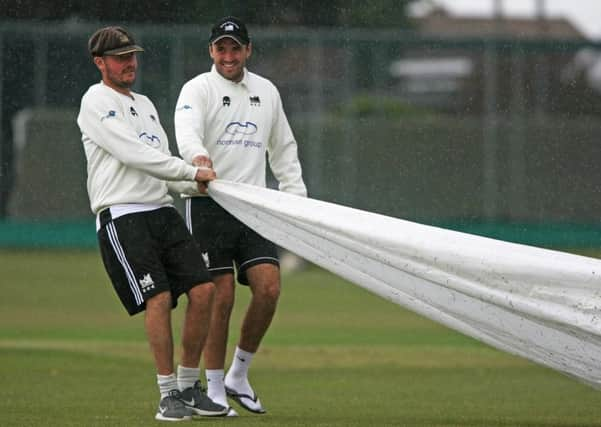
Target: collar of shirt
(243, 82)
(130, 96)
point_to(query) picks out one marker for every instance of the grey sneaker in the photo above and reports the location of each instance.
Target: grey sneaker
(196, 399)
(172, 408)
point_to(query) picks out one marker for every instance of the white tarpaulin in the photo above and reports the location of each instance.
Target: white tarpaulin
(540, 304)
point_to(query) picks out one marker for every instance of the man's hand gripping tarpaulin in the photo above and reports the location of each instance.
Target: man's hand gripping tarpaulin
(540, 304)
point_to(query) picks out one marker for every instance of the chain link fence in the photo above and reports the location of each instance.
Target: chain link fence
(443, 131)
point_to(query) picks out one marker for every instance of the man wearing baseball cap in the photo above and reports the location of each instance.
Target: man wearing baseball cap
(112, 41)
(230, 27)
(147, 251)
(232, 119)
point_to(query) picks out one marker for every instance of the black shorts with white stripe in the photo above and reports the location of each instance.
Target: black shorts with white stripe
(146, 253)
(226, 240)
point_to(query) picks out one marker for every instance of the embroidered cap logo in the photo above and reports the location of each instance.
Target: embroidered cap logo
(229, 26)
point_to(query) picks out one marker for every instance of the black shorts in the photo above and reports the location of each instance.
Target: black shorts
(226, 240)
(146, 253)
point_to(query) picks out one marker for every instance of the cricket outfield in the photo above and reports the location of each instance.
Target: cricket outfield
(335, 356)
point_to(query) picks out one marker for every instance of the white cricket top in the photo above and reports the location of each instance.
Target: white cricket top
(129, 162)
(236, 125)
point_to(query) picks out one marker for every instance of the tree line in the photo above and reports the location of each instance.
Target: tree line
(311, 13)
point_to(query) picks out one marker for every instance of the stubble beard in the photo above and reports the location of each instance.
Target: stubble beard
(121, 82)
(234, 76)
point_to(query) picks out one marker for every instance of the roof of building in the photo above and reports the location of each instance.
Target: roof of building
(440, 23)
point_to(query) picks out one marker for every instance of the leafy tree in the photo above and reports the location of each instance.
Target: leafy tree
(341, 13)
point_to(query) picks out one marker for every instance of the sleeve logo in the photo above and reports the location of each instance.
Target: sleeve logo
(110, 114)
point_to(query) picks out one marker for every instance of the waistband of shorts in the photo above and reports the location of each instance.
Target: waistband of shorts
(202, 199)
(111, 213)
(104, 217)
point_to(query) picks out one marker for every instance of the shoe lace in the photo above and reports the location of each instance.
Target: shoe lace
(175, 393)
(198, 386)
(177, 398)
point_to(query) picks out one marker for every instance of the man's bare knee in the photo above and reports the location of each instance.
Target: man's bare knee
(271, 291)
(264, 281)
(266, 291)
(202, 293)
(160, 301)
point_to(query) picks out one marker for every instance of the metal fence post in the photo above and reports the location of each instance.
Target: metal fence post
(350, 142)
(4, 150)
(176, 74)
(518, 179)
(315, 161)
(489, 142)
(40, 69)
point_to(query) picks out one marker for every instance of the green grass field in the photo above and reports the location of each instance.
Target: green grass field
(336, 355)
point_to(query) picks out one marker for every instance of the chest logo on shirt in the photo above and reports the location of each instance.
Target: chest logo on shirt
(226, 101)
(133, 111)
(152, 140)
(255, 101)
(248, 128)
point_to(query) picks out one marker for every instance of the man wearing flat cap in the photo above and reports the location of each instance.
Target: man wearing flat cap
(232, 119)
(148, 253)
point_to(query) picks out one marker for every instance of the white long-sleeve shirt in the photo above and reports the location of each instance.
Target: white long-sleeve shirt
(127, 150)
(235, 125)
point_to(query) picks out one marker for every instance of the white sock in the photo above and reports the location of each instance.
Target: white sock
(240, 363)
(166, 384)
(216, 386)
(237, 375)
(186, 377)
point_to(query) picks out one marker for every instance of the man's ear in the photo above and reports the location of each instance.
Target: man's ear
(249, 50)
(211, 50)
(99, 62)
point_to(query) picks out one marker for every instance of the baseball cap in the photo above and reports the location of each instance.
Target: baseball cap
(231, 27)
(112, 41)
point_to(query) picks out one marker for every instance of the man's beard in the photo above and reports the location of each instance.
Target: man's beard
(121, 83)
